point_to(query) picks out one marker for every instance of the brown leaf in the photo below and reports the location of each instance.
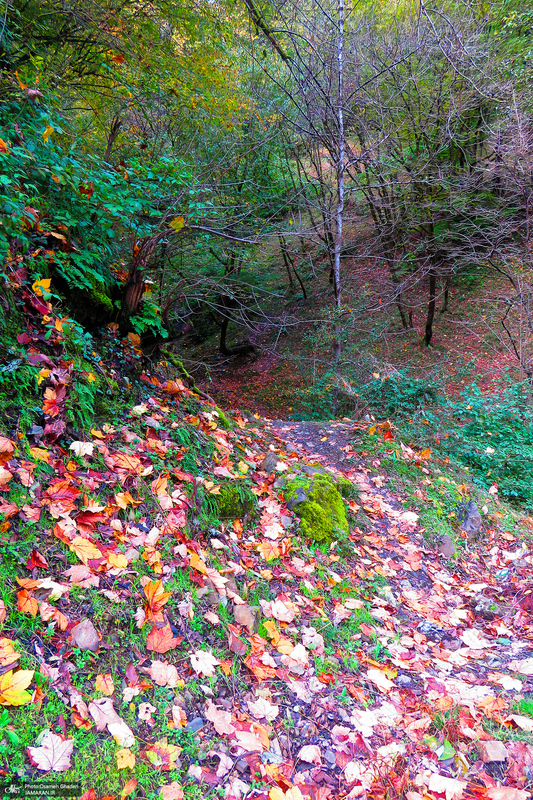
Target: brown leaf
(245, 615)
(235, 644)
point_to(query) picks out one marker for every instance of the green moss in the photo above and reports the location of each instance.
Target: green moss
(223, 420)
(101, 299)
(234, 501)
(321, 509)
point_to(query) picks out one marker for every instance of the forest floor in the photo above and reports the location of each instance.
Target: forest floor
(282, 378)
(166, 653)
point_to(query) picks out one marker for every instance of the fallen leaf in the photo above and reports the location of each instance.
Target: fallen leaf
(452, 788)
(104, 684)
(128, 788)
(161, 639)
(263, 709)
(163, 673)
(53, 754)
(172, 791)
(13, 686)
(222, 720)
(125, 758)
(204, 663)
(311, 753)
(104, 715)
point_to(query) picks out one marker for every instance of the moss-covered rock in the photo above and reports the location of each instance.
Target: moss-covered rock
(317, 500)
(234, 501)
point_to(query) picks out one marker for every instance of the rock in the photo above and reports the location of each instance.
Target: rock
(452, 644)
(85, 636)
(446, 546)
(318, 502)
(279, 483)
(485, 607)
(195, 725)
(492, 750)
(245, 615)
(299, 497)
(472, 521)
(269, 463)
(434, 632)
(330, 757)
(385, 592)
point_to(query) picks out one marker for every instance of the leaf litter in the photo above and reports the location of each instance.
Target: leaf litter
(299, 672)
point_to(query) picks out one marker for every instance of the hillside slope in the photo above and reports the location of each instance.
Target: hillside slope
(171, 628)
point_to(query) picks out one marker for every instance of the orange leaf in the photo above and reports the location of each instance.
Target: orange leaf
(161, 639)
(491, 706)
(104, 684)
(26, 603)
(268, 550)
(197, 563)
(85, 550)
(7, 448)
(129, 787)
(156, 596)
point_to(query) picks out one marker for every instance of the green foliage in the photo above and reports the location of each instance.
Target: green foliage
(235, 500)
(493, 436)
(400, 394)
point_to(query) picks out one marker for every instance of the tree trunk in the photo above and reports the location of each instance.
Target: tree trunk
(340, 177)
(431, 306)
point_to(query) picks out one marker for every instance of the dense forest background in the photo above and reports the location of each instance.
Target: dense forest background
(310, 209)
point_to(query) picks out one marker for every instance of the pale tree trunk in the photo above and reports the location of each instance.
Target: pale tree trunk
(340, 178)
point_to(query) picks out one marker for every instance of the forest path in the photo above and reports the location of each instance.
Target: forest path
(445, 654)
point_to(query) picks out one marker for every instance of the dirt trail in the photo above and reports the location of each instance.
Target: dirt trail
(443, 664)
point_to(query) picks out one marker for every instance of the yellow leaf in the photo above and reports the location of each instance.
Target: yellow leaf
(12, 688)
(117, 560)
(196, 563)
(177, 224)
(4, 147)
(85, 549)
(47, 133)
(43, 373)
(243, 467)
(39, 454)
(39, 286)
(125, 758)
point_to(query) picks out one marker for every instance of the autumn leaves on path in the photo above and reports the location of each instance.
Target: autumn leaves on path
(188, 655)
